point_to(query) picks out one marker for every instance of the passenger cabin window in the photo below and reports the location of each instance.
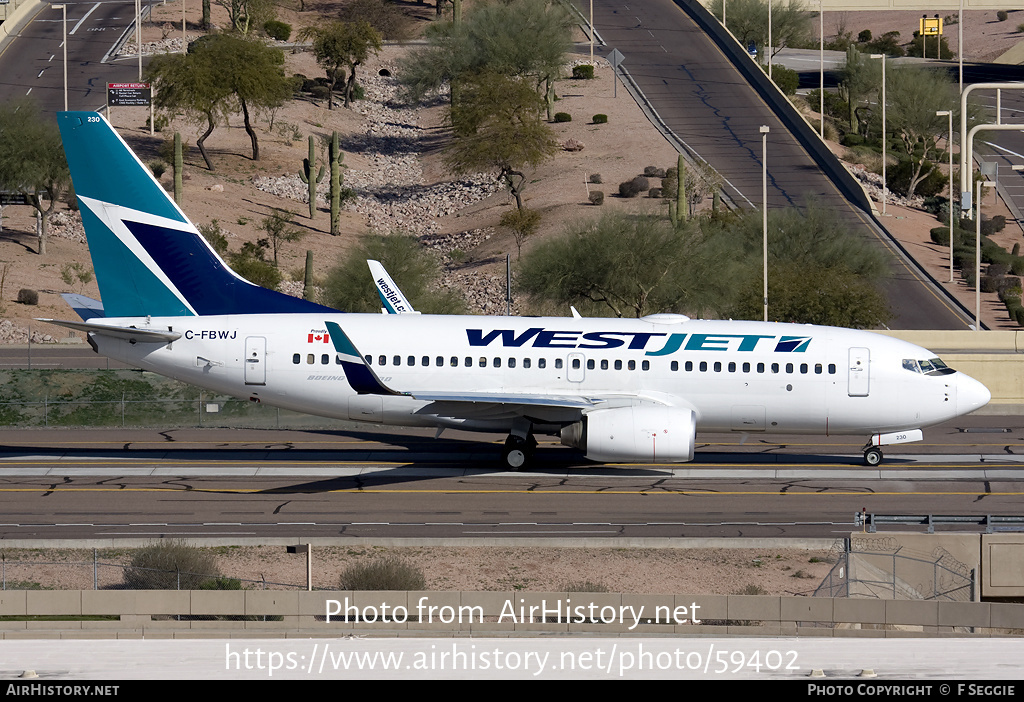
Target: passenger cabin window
(310, 359)
(526, 363)
(382, 360)
(296, 357)
(325, 359)
(542, 363)
(558, 363)
(631, 365)
(646, 365)
(439, 361)
(618, 365)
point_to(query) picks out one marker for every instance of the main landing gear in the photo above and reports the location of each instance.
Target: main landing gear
(519, 446)
(518, 451)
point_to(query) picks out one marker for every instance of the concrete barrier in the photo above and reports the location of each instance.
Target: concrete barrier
(197, 613)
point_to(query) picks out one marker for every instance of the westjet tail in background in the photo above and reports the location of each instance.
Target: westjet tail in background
(617, 389)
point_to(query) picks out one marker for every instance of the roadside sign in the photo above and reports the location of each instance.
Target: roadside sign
(128, 94)
(10, 197)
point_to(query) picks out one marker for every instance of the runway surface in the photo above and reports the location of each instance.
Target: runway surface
(249, 484)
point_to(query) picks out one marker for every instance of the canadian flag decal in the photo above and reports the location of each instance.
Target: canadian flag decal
(320, 336)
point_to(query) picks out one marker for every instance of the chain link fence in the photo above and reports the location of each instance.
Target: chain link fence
(882, 568)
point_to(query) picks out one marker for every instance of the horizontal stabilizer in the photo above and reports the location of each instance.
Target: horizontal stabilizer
(84, 307)
(129, 333)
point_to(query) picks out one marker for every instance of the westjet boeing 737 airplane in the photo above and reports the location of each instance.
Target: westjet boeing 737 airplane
(617, 389)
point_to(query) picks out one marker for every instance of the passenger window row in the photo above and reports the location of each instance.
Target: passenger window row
(575, 363)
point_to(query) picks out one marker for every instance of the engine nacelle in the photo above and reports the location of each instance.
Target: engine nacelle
(649, 434)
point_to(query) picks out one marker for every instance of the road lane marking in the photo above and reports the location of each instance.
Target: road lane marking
(84, 17)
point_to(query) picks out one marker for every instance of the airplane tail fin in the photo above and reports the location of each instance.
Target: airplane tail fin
(149, 259)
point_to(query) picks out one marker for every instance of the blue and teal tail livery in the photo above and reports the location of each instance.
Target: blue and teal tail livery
(148, 257)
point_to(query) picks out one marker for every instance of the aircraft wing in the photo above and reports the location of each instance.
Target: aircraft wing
(129, 333)
(365, 381)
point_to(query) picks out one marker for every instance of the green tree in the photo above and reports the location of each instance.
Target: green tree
(278, 231)
(337, 45)
(860, 84)
(255, 75)
(523, 223)
(221, 74)
(819, 271)
(32, 161)
(913, 95)
(194, 85)
(528, 38)
(632, 265)
(497, 127)
(748, 21)
(246, 14)
(349, 286)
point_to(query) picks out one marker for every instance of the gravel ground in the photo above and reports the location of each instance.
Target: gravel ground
(725, 571)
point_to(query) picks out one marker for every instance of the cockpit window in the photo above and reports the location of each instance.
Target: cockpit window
(932, 366)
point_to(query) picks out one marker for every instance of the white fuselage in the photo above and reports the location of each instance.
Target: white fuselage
(735, 376)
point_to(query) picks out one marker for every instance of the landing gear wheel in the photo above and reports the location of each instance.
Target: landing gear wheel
(873, 456)
(518, 452)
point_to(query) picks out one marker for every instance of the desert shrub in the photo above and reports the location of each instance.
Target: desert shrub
(940, 236)
(1002, 15)
(563, 117)
(28, 297)
(642, 184)
(595, 178)
(158, 167)
(654, 172)
(628, 189)
(596, 197)
(171, 565)
(600, 119)
(852, 140)
(584, 586)
(654, 192)
(787, 79)
(387, 573)
(864, 36)
(932, 184)
(1020, 30)
(993, 225)
(320, 92)
(583, 72)
(278, 30)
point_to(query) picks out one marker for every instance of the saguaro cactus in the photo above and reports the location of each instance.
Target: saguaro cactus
(178, 167)
(335, 157)
(308, 165)
(681, 208)
(308, 292)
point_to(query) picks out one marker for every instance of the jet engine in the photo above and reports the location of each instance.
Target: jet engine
(648, 433)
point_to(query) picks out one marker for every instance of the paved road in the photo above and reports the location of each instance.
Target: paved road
(260, 484)
(705, 101)
(33, 62)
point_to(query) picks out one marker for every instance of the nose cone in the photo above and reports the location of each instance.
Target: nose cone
(970, 394)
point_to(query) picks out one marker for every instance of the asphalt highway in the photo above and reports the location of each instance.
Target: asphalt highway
(703, 99)
(32, 64)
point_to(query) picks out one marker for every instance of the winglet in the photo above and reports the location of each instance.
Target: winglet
(360, 376)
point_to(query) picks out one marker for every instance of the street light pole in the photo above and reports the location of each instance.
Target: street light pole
(885, 139)
(949, 150)
(764, 209)
(768, 48)
(64, 10)
(821, 63)
(977, 257)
